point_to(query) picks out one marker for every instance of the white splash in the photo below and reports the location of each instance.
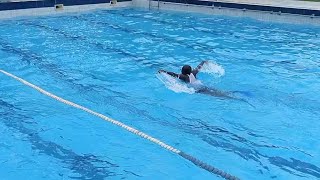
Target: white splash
(175, 84)
(213, 68)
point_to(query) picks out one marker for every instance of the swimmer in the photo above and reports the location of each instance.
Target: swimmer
(187, 74)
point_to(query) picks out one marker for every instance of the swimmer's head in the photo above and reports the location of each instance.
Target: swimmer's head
(186, 70)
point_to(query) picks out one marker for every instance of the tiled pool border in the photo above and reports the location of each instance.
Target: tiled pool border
(50, 3)
(242, 6)
(219, 7)
(262, 13)
(47, 7)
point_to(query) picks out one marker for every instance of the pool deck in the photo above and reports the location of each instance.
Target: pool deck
(278, 3)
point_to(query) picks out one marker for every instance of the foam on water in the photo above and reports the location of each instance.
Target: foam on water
(175, 84)
(213, 68)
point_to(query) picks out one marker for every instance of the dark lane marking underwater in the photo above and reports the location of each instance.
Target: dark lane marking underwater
(103, 46)
(38, 61)
(110, 100)
(56, 72)
(220, 137)
(88, 166)
(303, 167)
(299, 166)
(82, 38)
(34, 59)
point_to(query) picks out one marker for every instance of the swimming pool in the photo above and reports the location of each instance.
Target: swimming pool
(108, 60)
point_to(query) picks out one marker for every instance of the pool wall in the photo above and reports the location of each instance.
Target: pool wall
(47, 7)
(273, 13)
(261, 12)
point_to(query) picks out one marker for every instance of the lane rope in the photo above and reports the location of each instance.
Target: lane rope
(186, 156)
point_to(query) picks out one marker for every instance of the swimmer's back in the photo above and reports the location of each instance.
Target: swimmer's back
(187, 78)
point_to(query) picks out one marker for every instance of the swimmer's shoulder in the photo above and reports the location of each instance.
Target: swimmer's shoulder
(183, 78)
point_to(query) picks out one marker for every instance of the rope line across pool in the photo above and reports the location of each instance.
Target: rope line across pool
(186, 156)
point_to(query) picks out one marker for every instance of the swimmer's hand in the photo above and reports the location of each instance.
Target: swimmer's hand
(161, 71)
(198, 68)
(204, 62)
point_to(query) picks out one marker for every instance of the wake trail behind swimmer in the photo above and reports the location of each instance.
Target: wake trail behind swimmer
(221, 94)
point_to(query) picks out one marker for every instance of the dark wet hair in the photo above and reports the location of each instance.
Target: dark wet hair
(186, 70)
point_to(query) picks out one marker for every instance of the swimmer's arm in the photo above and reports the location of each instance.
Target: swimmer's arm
(170, 73)
(198, 68)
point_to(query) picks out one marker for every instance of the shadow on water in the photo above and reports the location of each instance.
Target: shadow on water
(88, 166)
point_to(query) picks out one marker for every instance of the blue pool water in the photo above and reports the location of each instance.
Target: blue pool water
(108, 60)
